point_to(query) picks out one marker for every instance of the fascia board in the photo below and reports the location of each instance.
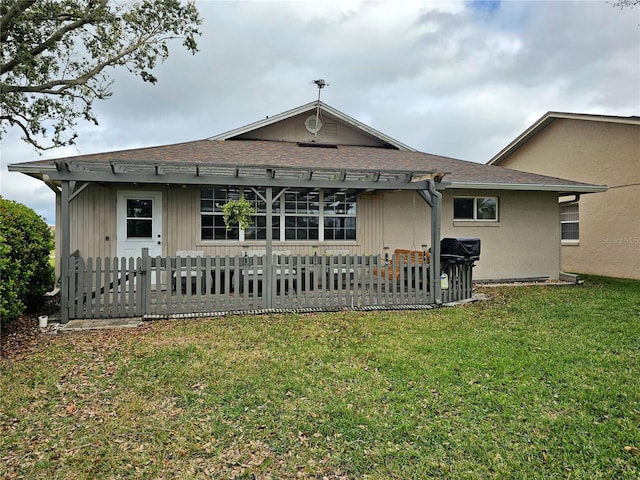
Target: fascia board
(30, 169)
(529, 187)
(263, 123)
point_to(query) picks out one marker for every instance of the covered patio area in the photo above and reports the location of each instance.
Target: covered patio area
(166, 284)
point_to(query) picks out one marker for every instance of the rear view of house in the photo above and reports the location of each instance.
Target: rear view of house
(324, 185)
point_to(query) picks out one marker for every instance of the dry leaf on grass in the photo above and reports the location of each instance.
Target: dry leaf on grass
(632, 449)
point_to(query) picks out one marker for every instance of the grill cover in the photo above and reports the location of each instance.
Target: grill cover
(460, 249)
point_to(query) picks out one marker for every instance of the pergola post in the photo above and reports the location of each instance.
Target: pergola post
(268, 268)
(433, 198)
(436, 220)
(65, 250)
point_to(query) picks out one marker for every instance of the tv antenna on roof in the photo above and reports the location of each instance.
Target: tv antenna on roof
(320, 83)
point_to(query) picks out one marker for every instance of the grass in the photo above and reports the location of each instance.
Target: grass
(537, 382)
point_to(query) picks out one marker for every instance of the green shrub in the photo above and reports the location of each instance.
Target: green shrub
(25, 272)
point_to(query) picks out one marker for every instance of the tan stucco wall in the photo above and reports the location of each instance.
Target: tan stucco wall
(597, 153)
(523, 244)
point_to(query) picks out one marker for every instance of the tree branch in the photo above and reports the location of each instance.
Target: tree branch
(87, 18)
(7, 18)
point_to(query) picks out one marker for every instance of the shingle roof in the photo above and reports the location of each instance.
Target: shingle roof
(461, 174)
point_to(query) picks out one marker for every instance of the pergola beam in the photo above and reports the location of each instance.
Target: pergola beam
(182, 179)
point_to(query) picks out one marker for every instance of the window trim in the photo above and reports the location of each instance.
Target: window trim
(475, 218)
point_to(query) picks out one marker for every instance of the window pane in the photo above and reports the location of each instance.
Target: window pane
(301, 228)
(339, 228)
(463, 208)
(570, 231)
(206, 205)
(139, 228)
(137, 208)
(206, 192)
(487, 208)
(301, 202)
(569, 213)
(207, 233)
(339, 203)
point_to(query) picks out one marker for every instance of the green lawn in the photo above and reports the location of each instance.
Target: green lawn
(537, 382)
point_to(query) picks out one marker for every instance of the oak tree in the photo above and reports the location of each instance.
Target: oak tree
(55, 56)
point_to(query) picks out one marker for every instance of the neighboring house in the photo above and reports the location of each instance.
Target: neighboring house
(600, 233)
(322, 180)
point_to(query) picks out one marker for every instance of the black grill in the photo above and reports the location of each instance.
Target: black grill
(459, 250)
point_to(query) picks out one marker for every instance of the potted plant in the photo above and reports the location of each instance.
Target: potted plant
(237, 212)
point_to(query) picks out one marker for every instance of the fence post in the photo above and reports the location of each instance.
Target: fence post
(145, 284)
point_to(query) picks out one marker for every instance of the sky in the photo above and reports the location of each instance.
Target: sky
(455, 78)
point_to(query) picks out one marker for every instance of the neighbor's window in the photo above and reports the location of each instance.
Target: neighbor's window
(569, 222)
(297, 214)
(475, 208)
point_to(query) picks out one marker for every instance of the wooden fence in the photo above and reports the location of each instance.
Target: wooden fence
(158, 287)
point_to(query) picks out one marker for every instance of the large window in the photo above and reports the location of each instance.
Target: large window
(298, 214)
(475, 208)
(569, 222)
(213, 227)
(302, 215)
(339, 216)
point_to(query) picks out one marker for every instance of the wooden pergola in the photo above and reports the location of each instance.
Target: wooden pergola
(68, 178)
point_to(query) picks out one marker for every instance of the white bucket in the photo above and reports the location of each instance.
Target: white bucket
(43, 321)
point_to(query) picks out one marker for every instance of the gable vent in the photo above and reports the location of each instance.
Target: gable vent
(331, 129)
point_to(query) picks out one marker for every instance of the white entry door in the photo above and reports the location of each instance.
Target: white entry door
(139, 223)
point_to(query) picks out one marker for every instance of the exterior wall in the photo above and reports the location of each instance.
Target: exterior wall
(293, 130)
(94, 225)
(599, 153)
(93, 222)
(407, 221)
(523, 244)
